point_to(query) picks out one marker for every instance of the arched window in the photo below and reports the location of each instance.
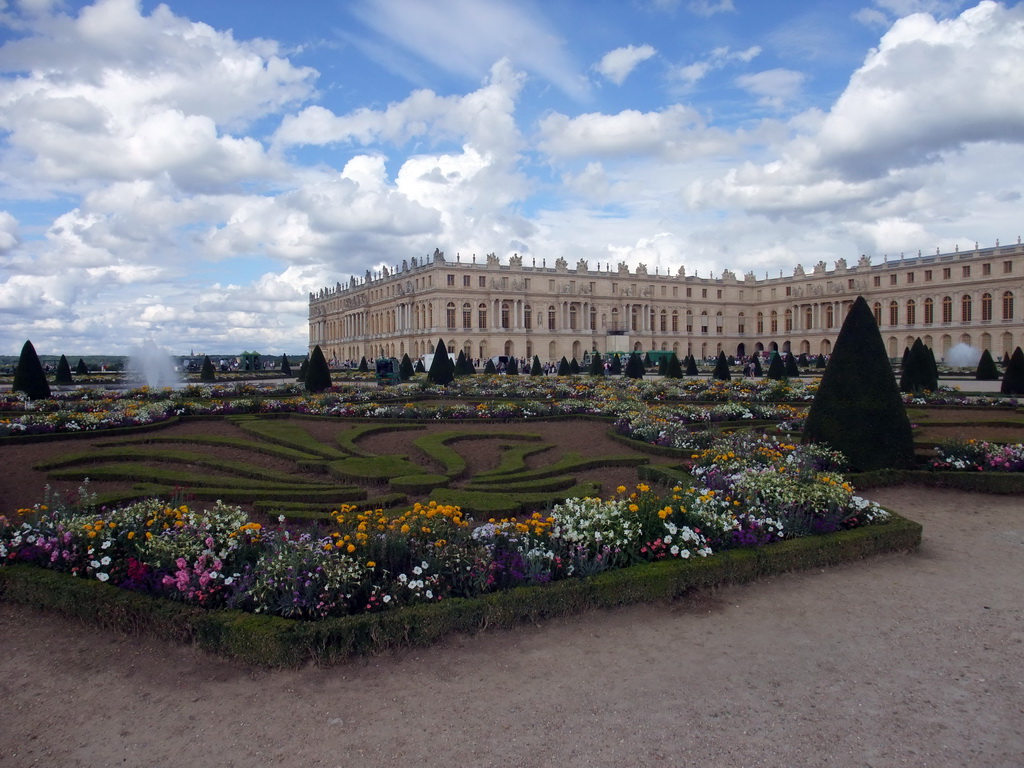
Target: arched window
(634, 318)
(966, 308)
(467, 315)
(808, 318)
(929, 311)
(741, 325)
(450, 315)
(719, 322)
(482, 316)
(911, 312)
(947, 309)
(704, 321)
(789, 319)
(876, 310)
(689, 321)
(572, 316)
(760, 322)
(527, 317)
(593, 319)
(830, 316)
(894, 313)
(986, 308)
(664, 321)
(774, 322)
(1008, 305)
(551, 317)
(505, 315)
(675, 321)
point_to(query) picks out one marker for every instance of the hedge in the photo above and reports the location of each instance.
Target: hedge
(269, 641)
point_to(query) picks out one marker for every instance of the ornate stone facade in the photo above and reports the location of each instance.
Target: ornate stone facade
(487, 308)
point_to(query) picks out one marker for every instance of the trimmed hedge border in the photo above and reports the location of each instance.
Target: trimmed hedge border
(269, 641)
(976, 482)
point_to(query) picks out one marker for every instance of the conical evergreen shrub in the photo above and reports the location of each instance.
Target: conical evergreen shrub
(63, 373)
(758, 371)
(792, 370)
(616, 366)
(777, 369)
(81, 369)
(662, 365)
(987, 369)
(207, 373)
(405, 368)
(721, 372)
(418, 367)
(489, 367)
(460, 364)
(286, 367)
(563, 367)
(364, 367)
(933, 370)
(1013, 376)
(512, 369)
(535, 368)
(691, 366)
(303, 367)
(673, 369)
(442, 369)
(802, 360)
(858, 408)
(596, 365)
(819, 361)
(318, 374)
(634, 367)
(574, 367)
(29, 376)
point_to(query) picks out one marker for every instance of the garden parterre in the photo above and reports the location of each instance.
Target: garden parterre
(749, 491)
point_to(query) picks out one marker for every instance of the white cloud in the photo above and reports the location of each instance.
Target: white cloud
(466, 37)
(690, 74)
(9, 236)
(775, 87)
(628, 132)
(710, 7)
(617, 65)
(483, 117)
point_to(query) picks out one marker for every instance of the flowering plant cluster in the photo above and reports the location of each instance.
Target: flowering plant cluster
(750, 492)
(979, 456)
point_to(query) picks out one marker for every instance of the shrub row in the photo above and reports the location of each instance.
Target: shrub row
(275, 642)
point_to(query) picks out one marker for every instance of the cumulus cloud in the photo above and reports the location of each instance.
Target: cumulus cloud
(710, 7)
(617, 65)
(774, 87)
(8, 232)
(628, 132)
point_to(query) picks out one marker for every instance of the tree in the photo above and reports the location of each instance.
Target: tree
(535, 368)
(418, 367)
(460, 364)
(574, 367)
(303, 367)
(81, 369)
(512, 369)
(791, 366)
(858, 409)
(405, 369)
(318, 374)
(777, 369)
(691, 366)
(662, 365)
(364, 367)
(673, 369)
(616, 369)
(987, 369)
(634, 367)
(442, 370)
(63, 374)
(207, 373)
(802, 360)
(29, 376)
(721, 372)
(489, 368)
(819, 361)
(1013, 376)
(758, 370)
(919, 371)
(286, 367)
(563, 367)
(596, 365)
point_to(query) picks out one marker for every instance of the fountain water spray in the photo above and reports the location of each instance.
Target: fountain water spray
(963, 356)
(152, 366)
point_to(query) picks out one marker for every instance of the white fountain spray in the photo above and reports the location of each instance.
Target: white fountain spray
(152, 366)
(963, 356)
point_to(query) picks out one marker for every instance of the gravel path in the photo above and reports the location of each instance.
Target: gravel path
(903, 660)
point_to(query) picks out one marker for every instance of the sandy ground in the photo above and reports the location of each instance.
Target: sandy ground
(903, 660)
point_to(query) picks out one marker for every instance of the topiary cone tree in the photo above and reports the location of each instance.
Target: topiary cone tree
(1013, 376)
(82, 369)
(792, 369)
(634, 367)
(535, 367)
(318, 375)
(405, 369)
(721, 372)
(63, 374)
(987, 369)
(858, 408)
(512, 369)
(442, 369)
(29, 376)
(206, 373)
(691, 366)
(286, 367)
(777, 369)
(596, 365)
(364, 367)
(673, 369)
(563, 367)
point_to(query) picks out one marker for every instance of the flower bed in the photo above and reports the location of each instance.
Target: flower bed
(978, 456)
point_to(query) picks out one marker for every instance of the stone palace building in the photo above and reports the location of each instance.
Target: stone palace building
(486, 308)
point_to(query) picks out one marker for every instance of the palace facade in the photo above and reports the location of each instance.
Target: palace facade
(487, 308)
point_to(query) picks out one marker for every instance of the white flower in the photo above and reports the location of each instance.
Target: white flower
(94, 563)
(417, 570)
(102, 576)
(430, 594)
(105, 560)
(387, 598)
(106, 544)
(674, 550)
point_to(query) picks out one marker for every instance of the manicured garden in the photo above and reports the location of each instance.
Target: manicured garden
(277, 525)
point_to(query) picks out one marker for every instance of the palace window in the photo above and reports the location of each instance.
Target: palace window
(1008, 305)
(572, 317)
(929, 311)
(986, 307)
(911, 312)
(947, 309)
(966, 308)
(894, 313)
(465, 281)
(664, 320)
(741, 323)
(689, 321)
(505, 322)
(789, 320)
(675, 321)
(482, 316)
(830, 316)
(527, 318)
(967, 270)
(451, 280)
(551, 318)
(450, 314)
(467, 315)
(876, 310)
(774, 322)
(760, 322)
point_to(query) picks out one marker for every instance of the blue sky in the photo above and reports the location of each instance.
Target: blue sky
(186, 173)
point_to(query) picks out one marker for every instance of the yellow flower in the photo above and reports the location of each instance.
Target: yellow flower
(634, 508)
(621, 489)
(371, 564)
(351, 548)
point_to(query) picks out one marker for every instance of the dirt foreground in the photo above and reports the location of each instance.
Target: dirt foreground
(903, 660)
